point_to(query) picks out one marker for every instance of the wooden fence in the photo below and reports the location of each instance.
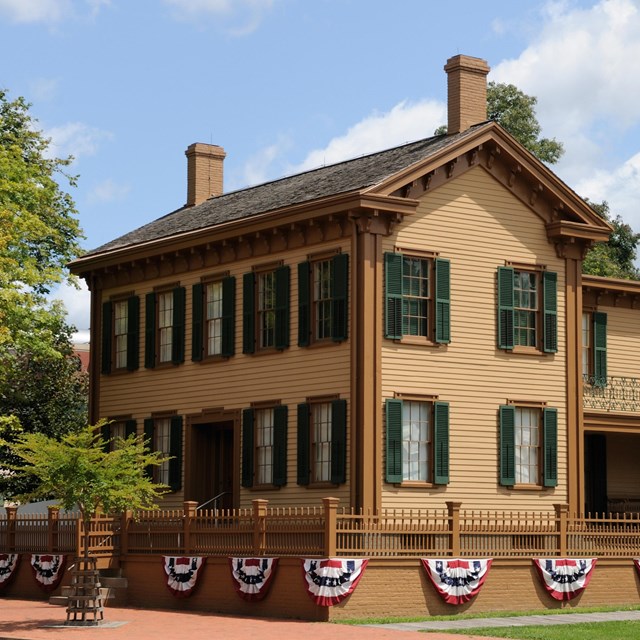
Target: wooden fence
(328, 531)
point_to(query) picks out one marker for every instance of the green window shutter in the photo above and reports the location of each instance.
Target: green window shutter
(304, 303)
(105, 434)
(507, 445)
(228, 316)
(107, 335)
(248, 313)
(393, 295)
(550, 455)
(150, 331)
(175, 451)
(248, 416)
(130, 428)
(338, 441)
(550, 312)
(304, 445)
(133, 333)
(443, 301)
(282, 275)
(149, 427)
(394, 441)
(197, 321)
(340, 306)
(177, 338)
(441, 443)
(600, 348)
(505, 308)
(280, 420)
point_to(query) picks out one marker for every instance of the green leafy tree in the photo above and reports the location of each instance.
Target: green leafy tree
(515, 111)
(615, 258)
(83, 471)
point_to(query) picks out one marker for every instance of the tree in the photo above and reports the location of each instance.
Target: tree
(515, 111)
(615, 258)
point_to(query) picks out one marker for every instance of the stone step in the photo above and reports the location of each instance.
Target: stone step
(115, 582)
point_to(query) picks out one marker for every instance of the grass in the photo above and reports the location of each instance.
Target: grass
(619, 630)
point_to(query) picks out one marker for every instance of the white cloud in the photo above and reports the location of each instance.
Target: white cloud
(247, 14)
(76, 139)
(108, 191)
(77, 302)
(49, 11)
(44, 89)
(260, 166)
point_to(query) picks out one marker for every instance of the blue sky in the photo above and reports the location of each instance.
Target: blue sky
(284, 85)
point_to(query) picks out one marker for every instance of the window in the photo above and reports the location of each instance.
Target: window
(527, 309)
(117, 430)
(417, 297)
(120, 334)
(528, 445)
(164, 327)
(265, 312)
(164, 434)
(213, 318)
(322, 442)
(417, 441)
(264, 446)
(594, 348)
(323, 286)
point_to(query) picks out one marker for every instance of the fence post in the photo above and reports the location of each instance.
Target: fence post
(190, 507)
(79, 537)
(125, 518)
(330, 526)
(454, 527)
(259, 526)
(53, 516)
(562, 514)
(11, 528)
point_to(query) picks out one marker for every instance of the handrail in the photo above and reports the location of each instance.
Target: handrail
(214, 500)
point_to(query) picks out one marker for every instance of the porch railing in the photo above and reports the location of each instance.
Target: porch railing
(611, 393)
(327, 531)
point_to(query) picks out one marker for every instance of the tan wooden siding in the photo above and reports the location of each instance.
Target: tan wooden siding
(290, 376)
(623, 471)
(477, 224)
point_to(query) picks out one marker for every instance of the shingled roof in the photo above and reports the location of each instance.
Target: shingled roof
(344, 177)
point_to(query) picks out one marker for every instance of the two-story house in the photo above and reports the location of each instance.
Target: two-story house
(398, 330)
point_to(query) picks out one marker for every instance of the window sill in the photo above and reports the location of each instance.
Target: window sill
(528, 351)
(325, 342)
(265, 487)
(321, 485)
(265, 351)
(119, 372)
(215, 358)
(416, 484)
(418, 340)
(528, 487)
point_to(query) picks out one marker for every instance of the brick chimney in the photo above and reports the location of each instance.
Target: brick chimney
(467, 92)
(204, 172)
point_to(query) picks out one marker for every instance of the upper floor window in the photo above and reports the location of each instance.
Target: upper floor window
(120, 334)
(417, 441)
(164, 434)
(528, 445)
(264, 446)
(417, 297)
(322, 441)
(594, 347)
(265, 313)
(164, 327)
(213, 318)
(527, 309)
(323, 285)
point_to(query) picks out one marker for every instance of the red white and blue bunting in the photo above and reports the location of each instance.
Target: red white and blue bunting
(8, 566)
(331, 580)
(457, 580)
(182, 574)
(252, 576)
(565, 578)
(48, 570)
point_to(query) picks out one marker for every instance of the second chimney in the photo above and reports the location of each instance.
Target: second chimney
(467, 92)
(204, 172)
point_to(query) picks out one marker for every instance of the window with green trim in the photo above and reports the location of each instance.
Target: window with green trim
(417, 297)
(417, 441)
(213, 318)
(120, 334)
(118, 430)
(164, 327)
(594, 348)
(164, 434)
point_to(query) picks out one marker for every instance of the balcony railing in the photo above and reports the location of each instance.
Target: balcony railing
(611, 393)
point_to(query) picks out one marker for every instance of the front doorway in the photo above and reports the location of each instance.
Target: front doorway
(595, 473)
(211, 465)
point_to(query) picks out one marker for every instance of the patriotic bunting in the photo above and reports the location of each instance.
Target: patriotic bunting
(182, 574)
(48, 570)
(455, 579)
(565, 578)
(252, 576)
(331, 580)
(8, 565)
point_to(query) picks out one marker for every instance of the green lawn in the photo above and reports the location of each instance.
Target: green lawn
(623, 630)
